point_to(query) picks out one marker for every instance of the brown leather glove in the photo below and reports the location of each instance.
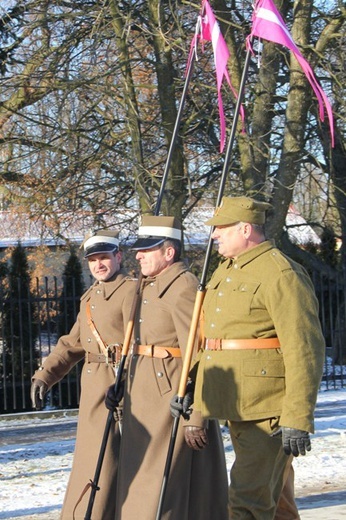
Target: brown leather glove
(37, 392)
(195, 437)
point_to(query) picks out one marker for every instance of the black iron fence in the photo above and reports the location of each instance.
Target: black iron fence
(32, 318)
(31, 322)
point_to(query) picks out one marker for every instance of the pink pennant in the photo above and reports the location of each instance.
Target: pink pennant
(268, 24)
(208, 30)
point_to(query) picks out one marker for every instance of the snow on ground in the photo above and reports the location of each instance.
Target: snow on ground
(34, 469)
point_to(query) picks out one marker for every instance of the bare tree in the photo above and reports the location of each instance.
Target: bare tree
(89, 97)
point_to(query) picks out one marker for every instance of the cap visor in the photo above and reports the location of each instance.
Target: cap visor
(147, 243)
(220, 221)
(100, 248)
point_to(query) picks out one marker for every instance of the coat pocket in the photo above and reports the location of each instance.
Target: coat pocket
(240, 298)
(161, 376)
(263, 386)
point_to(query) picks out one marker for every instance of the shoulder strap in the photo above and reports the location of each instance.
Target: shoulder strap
(94, 330)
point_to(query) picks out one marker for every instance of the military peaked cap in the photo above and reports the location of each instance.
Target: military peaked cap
(239, 209)
(154, 230)
(103, 241)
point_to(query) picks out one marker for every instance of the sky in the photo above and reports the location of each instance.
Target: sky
(34, 474)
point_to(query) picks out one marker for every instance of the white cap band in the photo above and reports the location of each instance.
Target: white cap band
(97, 239)
(159, 231)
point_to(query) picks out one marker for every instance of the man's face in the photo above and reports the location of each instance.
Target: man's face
(154, 261)
(104, 265)
(230, 239)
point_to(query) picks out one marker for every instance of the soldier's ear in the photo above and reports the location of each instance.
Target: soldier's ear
(247, 229)
(169, 253)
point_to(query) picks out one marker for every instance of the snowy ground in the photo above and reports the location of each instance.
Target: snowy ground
(34, 471)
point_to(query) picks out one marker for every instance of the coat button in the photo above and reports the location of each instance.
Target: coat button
(89, 340)
(159, 374)
(208, 357)
(263, 372)
(145, 301)
(228, 279)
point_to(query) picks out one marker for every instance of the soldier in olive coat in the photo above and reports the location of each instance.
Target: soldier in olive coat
(105, 307)
(197, 485)
(263, 358)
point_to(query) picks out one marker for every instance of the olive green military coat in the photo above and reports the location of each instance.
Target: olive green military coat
(110, 304)
(197, 487)
(261, 294)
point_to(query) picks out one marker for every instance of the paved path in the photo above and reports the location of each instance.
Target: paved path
(328, 505)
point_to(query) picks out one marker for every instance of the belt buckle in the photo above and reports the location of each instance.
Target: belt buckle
(113, 354)
(217, 344)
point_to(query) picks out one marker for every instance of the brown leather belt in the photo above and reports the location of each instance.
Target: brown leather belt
(113, 357)
(238, 344)
(156, 351)
(90, 357)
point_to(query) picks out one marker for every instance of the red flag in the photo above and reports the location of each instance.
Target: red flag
(208, 29)
(268, 24)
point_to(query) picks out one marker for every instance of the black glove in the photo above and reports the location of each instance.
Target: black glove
(295, 442)
(38, 391)
(195, 437)
(184, 408)
(113, 399)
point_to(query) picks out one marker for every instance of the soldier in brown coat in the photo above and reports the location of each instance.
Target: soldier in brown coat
(263, 359)
(104, 312)
(197, 485)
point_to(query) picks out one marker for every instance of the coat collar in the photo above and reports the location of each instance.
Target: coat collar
(251, 254)
(244, 258)
(167, 277)
(109, 286)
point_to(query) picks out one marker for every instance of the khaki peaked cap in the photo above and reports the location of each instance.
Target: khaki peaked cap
(239, 209)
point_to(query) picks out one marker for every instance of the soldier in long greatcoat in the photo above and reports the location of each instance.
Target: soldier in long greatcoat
(197, 485)
(263, 358)
(105, 307)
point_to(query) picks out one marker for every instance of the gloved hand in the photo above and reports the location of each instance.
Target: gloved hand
(295, 442)
(195, 437)
(37, 392)
(183, 408)
(113, 399)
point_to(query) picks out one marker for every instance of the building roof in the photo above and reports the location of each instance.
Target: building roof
(18, 227)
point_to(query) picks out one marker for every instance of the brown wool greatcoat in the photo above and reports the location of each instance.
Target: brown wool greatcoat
(110, 304)
(197, 487)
